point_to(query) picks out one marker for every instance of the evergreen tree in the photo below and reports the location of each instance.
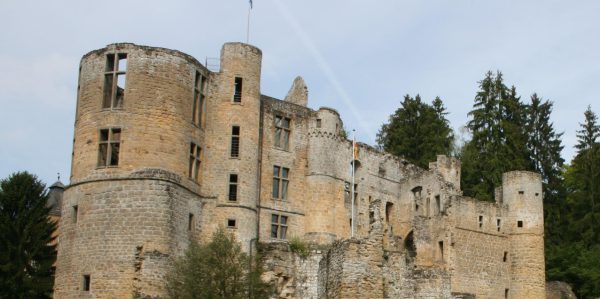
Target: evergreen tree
(218, 269)
(417, 131)
(544, 146)
(26, 258)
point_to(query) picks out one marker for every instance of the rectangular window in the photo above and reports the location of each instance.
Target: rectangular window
(505, 257)
(233, 187)
(318, 122)
(280, 182)
(441, 249)
(498, 224)
(87, 282)
(438, 205)
(505, 293)
(348, 192)
(194, 166)
(237, 90)
(282, 132)
(108, 147)
(278, 226)
(235, 141)
(480, 221)
(519, 223)
(75, 212)
(199, 105)
(191, 222)
(114, 81)
(231, 223)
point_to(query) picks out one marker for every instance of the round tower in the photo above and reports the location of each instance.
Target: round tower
(134, 199)
(328, 179)
(522, 194)
(232, 156)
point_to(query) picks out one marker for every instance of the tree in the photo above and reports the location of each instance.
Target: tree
(499, 141)
(26, 258)
(417, 131)
(218, 269)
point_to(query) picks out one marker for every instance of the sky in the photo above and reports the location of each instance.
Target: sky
(359, 57)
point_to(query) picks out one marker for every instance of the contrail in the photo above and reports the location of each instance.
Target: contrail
(324, 67)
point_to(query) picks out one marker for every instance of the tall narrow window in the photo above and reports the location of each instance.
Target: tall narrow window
(280, 182)
(191, 222)
(233, 187)
(480, 221)
(199, 105)
(108, 147)
(278, 226)
(75, 212)
(498, 224)
(195, 155)
(237, 90)
(114, 80)
(438, 205)
(441, 249)
(282, 132)
(87, 282)
(235, 141)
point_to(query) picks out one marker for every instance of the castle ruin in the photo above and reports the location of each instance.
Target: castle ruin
(165, 151)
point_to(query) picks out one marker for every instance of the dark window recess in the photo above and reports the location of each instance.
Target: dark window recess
(438, 205)
(389, 210)
(280, 182)
(231, 223)
(235, 141)
(505, 257)
(480, 221)
(114, 80)
(237, 90)
(195, 161)
(191, 222)
(348, 192)
(282, 132)
(87, 282)
(505, 293)
(108, 147)
(441, 249)
(498, 224)
(318, 122)
(519, 223)
(521, 192)
(199, 105)
(75, 212)
(233, 187)
(279, 226)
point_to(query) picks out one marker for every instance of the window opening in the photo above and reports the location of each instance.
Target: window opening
(498, 224)
(109, 146)
(438, 205)
(480, 221)
(318, 122)
(280, 182)
(87, 281)
(237, 93)
(195, 155)
(75, 212)
(278, 226)
(231, 223)
(235, 141)
(199, 105)
(519, 223)
(505, 257)
(441, 249)
(389, 209)
(505, 293)
(114, 80)
(348, 192)
(233, 187)
(521, 192)
(282, 132)
(191, 222)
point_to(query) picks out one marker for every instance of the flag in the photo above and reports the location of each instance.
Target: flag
(355, 151)
(250, 4)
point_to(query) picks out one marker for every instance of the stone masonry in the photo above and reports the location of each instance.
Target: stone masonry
(165, 151)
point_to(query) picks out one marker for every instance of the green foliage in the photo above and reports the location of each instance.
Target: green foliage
(219, 269)
(26, 259)
(417, 131)
(297, 245)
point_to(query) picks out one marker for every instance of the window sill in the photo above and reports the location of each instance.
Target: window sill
(113, 109)
(282, 149)
(237, 103)
(235, 158)
(280, 200)
(107, 167)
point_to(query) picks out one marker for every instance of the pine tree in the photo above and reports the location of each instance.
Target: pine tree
(417, 131)
(26, 258)
(544, 146)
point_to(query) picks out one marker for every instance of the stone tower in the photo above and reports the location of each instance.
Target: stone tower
(135, 198)
(234, 128)
(522, 193)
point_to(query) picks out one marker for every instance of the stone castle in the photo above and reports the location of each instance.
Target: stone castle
(165, 151)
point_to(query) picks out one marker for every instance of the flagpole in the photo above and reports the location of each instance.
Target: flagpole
(353, 170)
(248, 25)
